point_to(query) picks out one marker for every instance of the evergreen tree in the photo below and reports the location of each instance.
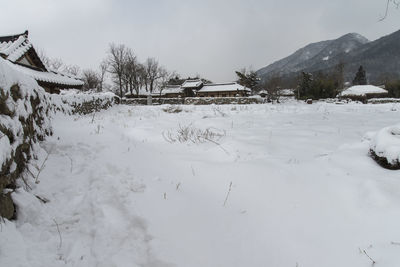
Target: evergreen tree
(316, 86)
(249, 80)
(360, 78)
(339, 76)
(305, 84)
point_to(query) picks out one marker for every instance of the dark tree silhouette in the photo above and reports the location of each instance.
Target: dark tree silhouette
(360, 78)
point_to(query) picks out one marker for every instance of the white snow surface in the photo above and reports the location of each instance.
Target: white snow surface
(386, 143)
(304, 191)
(363, 90)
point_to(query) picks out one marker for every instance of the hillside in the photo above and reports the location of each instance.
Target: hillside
(380, 58)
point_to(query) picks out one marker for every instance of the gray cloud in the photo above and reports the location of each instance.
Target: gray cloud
(210, 38)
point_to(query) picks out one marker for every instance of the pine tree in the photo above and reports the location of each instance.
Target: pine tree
(247, 79)
(360, 78)
(305, 84)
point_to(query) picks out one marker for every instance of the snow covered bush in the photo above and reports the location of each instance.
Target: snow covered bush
(172, 109)
(191, 134)
(24, 121)
(385, 147)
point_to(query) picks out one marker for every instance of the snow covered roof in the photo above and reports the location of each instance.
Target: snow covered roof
(263, 92)
(363, 90)
(48, 76)
(192, 84)
(14, 47)
(286, 92)
(14, 50)
(173, 90)
(282, 92)
(223, 87)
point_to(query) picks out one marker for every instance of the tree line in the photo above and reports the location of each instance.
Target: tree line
(316, 85)
(122, 67)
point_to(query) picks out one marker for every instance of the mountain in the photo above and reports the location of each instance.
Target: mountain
(288, 64)
(380, 58)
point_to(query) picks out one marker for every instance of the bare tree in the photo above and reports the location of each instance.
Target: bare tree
(133, 72)
(102, 76)
(396, 3)
(71, 69)
(51, 63)
(116, 61)
(91, 79)
(164, 77)
(57, 64)
(272, 86)
(153, 72)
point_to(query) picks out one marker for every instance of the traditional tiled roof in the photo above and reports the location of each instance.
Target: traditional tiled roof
(175, 89)
(192, 84)
(48, 76)
(14, 47)
(223, 87)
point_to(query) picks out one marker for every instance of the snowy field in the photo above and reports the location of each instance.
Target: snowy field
(280, 185)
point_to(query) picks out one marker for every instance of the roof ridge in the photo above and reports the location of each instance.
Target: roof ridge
(14, 37)
(214, 84)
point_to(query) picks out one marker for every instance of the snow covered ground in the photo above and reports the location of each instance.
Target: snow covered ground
(298, 186)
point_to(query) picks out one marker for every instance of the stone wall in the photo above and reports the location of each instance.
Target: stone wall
(25, 109)
(25, 120)
(383, 100)
(196, 101)
(223, 100)
(85, 103)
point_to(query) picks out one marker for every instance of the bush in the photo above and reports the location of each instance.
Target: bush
(191, 134)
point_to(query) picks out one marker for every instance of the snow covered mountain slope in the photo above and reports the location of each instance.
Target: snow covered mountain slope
(288, 64)
(380, 58)
(314, 54)
(298, 185)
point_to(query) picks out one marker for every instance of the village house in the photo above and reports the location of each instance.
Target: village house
(190, 87)
(173, 91)
(21, 56)
(195, 88)
(363, 93)
(223, 90)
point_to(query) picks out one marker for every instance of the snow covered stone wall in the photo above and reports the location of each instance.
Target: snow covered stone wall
(196, 101)
(88, 102)
(224, 100)
(24, 121)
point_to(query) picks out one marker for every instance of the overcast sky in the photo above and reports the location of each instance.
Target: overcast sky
(211, 38)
